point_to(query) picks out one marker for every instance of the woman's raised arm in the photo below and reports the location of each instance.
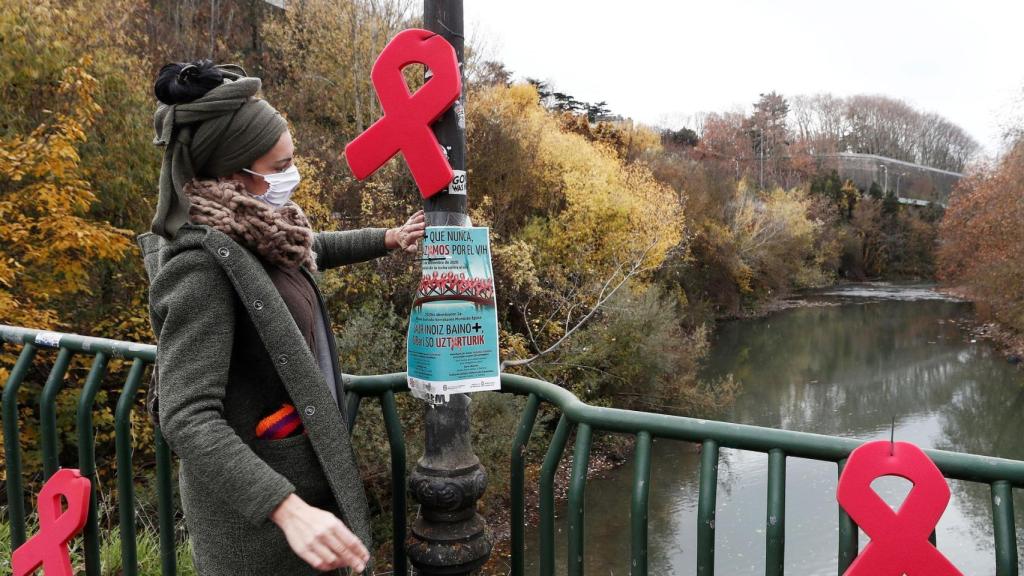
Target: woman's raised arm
(340, 248)
(352, 246)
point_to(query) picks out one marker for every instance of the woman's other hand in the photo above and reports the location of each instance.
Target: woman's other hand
(406, 235)
(319, 537)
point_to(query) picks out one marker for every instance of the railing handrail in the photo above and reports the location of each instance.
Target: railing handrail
(1000, 474)
(78, 343)
(954, 465)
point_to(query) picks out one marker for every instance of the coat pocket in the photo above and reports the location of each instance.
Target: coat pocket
(261, 445)
(295, 459)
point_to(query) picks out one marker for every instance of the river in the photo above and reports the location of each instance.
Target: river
(846, 365)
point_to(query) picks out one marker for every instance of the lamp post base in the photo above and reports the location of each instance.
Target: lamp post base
(448, 536)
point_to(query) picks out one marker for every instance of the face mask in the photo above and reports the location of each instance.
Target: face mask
(281, 185)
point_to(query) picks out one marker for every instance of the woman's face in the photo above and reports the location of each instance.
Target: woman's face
(277, 159)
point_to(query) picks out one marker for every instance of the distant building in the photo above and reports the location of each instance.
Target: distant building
(912, 183)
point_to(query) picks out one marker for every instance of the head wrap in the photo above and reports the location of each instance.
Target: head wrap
(224, 131)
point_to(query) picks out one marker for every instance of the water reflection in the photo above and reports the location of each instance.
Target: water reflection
(847, 369)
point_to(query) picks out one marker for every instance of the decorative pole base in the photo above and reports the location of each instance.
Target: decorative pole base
(448, 536)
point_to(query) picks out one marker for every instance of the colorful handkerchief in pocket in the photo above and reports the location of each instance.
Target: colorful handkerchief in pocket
(282, 423)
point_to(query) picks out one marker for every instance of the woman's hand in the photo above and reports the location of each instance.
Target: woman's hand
(406, 235)
(319, 537)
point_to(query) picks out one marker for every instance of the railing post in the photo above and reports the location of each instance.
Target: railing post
(87, 461)
(706, 503)
(1004, 532)
(48, 412)
(125, 473)
(517, 484)
(577, 503)
(775, 523)
(848, 535)
(547, 496)
(12, 446)
(638, 514)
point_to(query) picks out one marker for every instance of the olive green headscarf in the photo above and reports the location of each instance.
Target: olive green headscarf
(214, 136)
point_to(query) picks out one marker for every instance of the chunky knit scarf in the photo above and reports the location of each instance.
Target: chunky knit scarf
(281, 235)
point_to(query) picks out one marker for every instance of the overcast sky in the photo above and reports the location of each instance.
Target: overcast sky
(662, 61)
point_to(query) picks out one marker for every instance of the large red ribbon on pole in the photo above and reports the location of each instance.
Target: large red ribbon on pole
(899, 540)
(405, 126)
(49, 547)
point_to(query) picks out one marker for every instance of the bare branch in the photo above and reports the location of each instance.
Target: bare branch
(526, 320)
(603, 297)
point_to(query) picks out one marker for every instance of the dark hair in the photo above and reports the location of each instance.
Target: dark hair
(181, 82)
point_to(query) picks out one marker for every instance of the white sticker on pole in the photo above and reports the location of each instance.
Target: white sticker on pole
(458, 185)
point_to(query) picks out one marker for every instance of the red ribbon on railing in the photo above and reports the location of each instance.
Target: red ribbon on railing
(405, 126)
(899, 540)
(49, 547)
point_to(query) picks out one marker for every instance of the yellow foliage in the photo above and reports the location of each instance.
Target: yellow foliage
(326, 48)
(47, 243)
(629, 139)
(590, 218)
(614, 214)
(311, 195)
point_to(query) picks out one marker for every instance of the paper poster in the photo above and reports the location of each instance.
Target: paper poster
(453, 330)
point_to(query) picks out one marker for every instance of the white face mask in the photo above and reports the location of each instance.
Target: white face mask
(280, 185)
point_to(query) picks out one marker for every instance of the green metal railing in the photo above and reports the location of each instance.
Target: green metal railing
(102, 351)
(1001, 475)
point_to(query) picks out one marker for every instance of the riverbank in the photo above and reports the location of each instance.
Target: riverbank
(1009, 342)
(773, 306)
(815, 297)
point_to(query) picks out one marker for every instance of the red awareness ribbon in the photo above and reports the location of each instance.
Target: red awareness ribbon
(899, 540)
(49, 547)
(405, 126)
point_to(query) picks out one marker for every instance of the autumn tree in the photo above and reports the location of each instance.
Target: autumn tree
(52, 241)
(769, 137)
(684, 137)
(48, 243)
(579, 222)
(490, 73)
(981, 238)
(874, 124)
(724, 142)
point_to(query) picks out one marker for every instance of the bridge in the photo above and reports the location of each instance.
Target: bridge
(576, 418)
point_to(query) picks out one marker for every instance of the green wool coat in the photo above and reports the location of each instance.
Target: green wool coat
(226, 338)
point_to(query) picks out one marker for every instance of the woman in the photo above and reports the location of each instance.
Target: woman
(250, 392)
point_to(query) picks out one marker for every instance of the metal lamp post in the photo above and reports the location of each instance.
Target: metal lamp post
(448, 536)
